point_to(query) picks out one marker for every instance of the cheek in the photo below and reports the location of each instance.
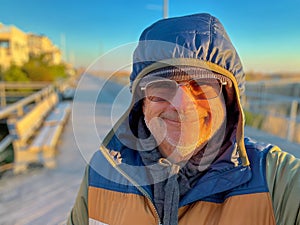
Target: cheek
(150, 110)
(218, 113)
(147, 112)
(152, 119)
(204, 110)
(203, 106)
(154, 123)
(215, 110)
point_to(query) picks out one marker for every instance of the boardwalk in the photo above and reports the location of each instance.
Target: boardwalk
(45, 197)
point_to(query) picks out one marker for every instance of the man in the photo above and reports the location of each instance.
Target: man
(178, 155)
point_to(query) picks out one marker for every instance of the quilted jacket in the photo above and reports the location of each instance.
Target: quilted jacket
(249, 183)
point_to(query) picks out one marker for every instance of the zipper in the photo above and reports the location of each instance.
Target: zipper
(142, 190)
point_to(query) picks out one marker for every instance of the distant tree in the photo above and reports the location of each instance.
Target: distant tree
(39, 68)
(58, 71)
(15, 74)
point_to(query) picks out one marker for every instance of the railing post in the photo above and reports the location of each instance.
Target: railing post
(2, 95)
(292, 120)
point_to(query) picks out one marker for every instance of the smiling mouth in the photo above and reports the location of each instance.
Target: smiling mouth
(183, 119)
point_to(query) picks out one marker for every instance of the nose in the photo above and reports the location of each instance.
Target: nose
(183, 99)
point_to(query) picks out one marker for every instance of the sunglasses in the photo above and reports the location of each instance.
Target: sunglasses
(164, 90)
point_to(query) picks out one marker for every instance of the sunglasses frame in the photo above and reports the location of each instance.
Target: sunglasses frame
(183, 83)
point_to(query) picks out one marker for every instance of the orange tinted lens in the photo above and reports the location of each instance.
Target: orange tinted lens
(205, 89)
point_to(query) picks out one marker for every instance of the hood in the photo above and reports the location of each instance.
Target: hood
(198, 40)
(194, 41)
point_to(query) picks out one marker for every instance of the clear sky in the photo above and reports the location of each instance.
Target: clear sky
(266, 33)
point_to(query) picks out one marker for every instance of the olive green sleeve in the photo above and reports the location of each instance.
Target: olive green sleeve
(283, 177)
(79, 213)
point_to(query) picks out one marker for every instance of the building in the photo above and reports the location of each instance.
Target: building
(40, 44)
(13, 46)
(16, 47)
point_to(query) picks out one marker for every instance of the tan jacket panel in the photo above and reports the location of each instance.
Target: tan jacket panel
(116, 208)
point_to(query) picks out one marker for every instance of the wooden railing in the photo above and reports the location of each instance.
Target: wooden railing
(278, 102)
(19, 106)
(35, 124)
(17, 90)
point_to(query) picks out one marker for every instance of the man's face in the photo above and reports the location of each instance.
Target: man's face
(182, 123)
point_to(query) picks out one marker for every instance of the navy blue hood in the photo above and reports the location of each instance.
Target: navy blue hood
(199, 36)
(198, 40)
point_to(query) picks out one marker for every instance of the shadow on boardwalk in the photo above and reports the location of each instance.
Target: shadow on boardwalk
(43, 196)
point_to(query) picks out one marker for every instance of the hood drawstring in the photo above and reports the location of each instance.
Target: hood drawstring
(171, 198)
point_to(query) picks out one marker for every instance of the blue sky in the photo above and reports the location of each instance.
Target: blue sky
(266, 33)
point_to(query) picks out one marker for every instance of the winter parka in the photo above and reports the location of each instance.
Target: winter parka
(249, 183)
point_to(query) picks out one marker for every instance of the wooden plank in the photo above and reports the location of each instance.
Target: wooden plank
(47, 133)
(38, 142)
(52, 136)
(59, 114)
(49, 146)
